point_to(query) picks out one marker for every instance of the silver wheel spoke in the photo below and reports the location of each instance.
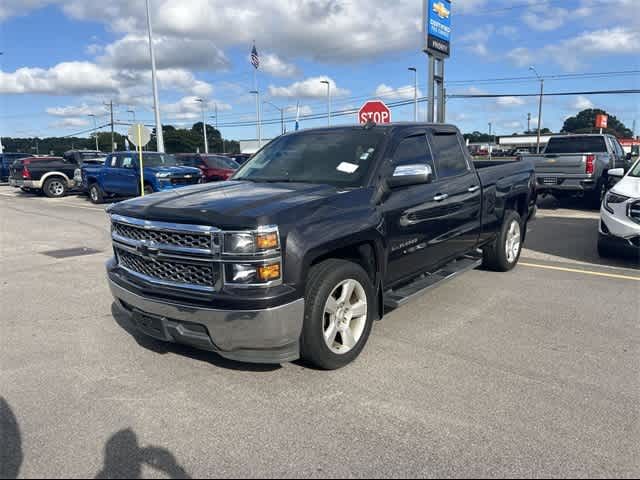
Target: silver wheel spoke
(332, 306)
(348, 340)
(347, 291)
(359, 309)
(331, 332)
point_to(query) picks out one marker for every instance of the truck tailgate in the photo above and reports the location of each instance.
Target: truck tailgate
(561, 164)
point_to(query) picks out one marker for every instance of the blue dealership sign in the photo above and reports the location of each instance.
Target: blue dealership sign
(438, 27)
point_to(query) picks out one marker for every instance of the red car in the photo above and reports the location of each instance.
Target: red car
(214, 167)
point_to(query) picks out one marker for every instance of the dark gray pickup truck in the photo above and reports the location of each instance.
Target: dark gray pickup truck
(311, 239)
(577, 165)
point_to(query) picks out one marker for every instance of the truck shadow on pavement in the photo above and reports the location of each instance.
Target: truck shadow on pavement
(124, 458)
(11, 455)
(163, 348)
(571, 238)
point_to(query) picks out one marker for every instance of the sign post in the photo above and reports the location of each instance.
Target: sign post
(140, 136)
(437, 33)
(374, 111)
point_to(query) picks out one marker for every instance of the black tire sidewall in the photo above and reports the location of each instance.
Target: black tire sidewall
(47, 184)
(98, 194)
(324, 278)
(509, 217)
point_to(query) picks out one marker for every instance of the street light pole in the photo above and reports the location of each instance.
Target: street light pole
(328, 84)
(133, 113)
(415, 93)
(154, 82)
(204, 125)
(95, 129)
(540, 105)
(281, 110)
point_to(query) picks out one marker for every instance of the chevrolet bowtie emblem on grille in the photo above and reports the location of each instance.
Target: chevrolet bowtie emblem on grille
(146, 248)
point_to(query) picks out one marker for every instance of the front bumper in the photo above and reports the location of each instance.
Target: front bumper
(618, 231)
(256, 336)
(549, 182)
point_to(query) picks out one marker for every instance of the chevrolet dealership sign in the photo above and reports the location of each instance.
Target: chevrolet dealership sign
(437, 27)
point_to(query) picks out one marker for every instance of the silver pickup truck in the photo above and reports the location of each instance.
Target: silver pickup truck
(577, 165)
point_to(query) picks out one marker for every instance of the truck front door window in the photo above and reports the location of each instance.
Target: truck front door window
(413, 151)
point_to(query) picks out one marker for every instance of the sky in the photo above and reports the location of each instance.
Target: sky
(63, 59)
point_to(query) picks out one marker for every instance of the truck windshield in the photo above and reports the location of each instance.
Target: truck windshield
(341, 158)
(159, 160)
(564, 145)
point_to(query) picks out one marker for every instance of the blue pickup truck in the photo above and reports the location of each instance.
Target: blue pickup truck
(120, 175)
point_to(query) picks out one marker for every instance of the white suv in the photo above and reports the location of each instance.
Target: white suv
(620, 215)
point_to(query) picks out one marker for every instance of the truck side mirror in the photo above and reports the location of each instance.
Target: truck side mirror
(406, 175)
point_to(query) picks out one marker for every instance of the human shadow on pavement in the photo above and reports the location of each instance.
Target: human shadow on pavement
(11, 455)
(163, 348)
(124, 458)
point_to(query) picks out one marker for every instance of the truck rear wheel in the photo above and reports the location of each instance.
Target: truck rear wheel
(339, 312)
(503, 254)
(55, 187)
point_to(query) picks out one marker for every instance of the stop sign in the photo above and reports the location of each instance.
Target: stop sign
(374, 111)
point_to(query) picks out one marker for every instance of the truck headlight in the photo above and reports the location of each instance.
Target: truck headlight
(264, 239)
(613, 199)
(163, 175)
(252, 274)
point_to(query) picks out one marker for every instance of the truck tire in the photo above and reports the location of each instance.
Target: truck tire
(339, 312)
(503, 254)
(55, 187)
(95, 194)
(148, 189)
(596, 197)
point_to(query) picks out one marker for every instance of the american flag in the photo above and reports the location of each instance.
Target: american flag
(255, 58)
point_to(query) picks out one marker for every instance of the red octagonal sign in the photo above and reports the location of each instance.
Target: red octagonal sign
(374, 111)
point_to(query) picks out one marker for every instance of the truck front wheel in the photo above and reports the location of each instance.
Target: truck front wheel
(503, 254)
(339, 312)
(95, 194)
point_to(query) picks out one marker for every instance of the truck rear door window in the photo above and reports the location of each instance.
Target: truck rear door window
(561, 146)
(449, 156)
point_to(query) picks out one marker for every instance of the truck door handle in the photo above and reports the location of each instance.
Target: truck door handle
(440, 198)
(474, 189)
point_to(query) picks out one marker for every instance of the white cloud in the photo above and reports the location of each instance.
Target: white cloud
(76, 110)
(402, 93)
(582, 103)
(309, 88)
(274, 65)
(68, 78)
(572, 53)
(132, 52)
(514, 125)
(545, 18)
(189, 108)
(509, 102)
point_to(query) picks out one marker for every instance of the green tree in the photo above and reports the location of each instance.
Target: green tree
(585, 121)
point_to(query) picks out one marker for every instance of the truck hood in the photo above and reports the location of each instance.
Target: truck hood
(177, 171)
(238, 204)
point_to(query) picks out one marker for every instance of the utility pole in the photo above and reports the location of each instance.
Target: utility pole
(154, 82)
(490, 142)
(257, 94)
(281, 110)
(415, 92)
(540, 106)
(528, 122)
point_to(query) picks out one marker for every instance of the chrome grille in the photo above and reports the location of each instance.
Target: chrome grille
(181, 273)
(202, 241)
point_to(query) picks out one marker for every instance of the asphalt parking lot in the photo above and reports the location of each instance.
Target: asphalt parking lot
(532, 373)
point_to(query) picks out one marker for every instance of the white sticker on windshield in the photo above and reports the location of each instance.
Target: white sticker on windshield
(347, 167)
